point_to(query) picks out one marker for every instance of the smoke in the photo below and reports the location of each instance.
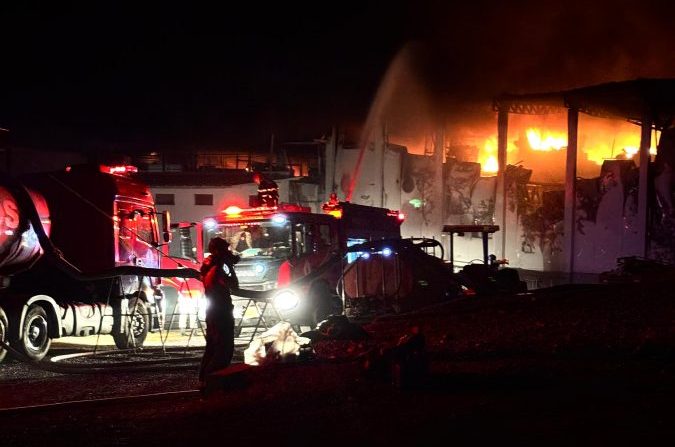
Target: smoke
(465, 55)
(402, 103)
(543, 46)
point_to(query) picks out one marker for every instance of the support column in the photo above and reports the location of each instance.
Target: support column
(570, 189)
(500, 196)
(439, 184)
(643, 190)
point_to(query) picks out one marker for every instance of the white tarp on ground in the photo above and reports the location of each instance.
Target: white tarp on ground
(279, 341)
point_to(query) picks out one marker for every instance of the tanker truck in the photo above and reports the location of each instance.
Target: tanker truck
(79, 256)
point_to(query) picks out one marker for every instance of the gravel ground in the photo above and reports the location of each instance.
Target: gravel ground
(569, 365)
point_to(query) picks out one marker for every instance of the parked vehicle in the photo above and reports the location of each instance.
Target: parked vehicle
(79, 256)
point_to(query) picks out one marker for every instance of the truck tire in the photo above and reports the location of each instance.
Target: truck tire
(135, 333)
(3, 334)
(35, 341)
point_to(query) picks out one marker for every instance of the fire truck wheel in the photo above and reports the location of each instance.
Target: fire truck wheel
(3, 334)
(137, 326)
(34, 341)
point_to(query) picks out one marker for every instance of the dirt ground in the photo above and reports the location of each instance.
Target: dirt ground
(572, 365)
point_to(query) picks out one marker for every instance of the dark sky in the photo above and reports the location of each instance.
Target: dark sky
(108, 76)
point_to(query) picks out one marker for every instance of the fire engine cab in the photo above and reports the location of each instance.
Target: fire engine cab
(282, 244)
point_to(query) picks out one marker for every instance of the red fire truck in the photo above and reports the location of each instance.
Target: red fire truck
(79, 256)
(298, 253)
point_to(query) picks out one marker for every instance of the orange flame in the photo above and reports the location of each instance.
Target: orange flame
(487, 156)
(540, 144)
(621, 145)
(546, 141)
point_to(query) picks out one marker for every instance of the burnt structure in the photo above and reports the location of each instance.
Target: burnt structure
(635, 227)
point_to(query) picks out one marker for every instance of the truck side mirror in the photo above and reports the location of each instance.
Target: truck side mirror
(166, 226)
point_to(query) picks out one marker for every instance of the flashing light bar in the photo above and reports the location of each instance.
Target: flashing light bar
(232, 210)
(332, 207)
(399, 215)
(264, 211)
(335, 213)
(121, 169)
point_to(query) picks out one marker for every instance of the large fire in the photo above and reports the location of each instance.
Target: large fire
(597, 142)
(487, 156)
(545, 141)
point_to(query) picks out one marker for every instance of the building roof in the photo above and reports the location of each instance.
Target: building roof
(220, 178)
(628, 100)
(201, 178)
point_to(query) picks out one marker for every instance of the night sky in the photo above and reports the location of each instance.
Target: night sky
(107, 76)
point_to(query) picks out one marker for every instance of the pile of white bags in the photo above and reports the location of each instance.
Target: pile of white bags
(277, 343)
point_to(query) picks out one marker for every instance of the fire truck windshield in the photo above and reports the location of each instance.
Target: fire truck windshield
(254, 239)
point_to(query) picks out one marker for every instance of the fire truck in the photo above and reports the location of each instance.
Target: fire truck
(79, 256)
(298, 254)
(184, 302)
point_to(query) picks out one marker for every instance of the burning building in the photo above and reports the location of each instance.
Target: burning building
(566, 176)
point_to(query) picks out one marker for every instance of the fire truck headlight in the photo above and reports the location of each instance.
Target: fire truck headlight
(286, 300)
(279, 219)
(365, 255)
(386, 251)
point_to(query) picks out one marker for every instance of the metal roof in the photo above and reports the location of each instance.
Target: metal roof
(628, 100)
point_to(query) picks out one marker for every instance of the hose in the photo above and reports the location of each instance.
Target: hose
(141, 366)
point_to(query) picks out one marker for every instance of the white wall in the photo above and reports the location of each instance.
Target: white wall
(185, 210)
(368, 188)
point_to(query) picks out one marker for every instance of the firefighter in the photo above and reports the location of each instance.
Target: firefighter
(219, 278)
(241, 241)
(268, 190)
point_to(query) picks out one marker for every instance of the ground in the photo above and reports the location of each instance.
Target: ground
(567, 365)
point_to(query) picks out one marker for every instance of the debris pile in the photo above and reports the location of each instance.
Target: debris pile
(636, 269)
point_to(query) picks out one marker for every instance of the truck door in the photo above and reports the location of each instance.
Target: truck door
(312, 245)
(136, 236)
